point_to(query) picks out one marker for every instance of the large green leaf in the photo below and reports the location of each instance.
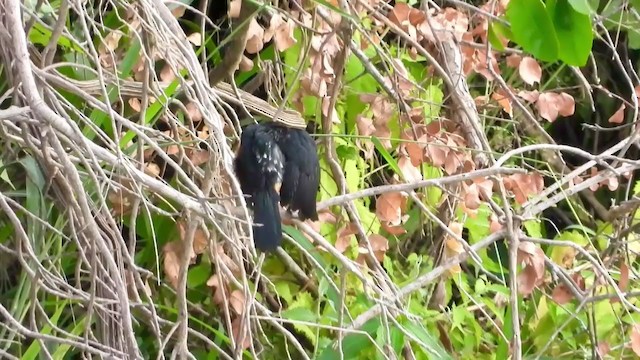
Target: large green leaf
(533, 29)
(573, 30)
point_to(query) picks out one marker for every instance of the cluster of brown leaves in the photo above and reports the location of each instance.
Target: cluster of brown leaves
(550, 105)
(382, 111)
(345, 240)
(111, 52)
(174, 250)
(390, 210)
(611, 182)
(317, 79)
(429, 27)
(279, 30)
(453, 247)
(234, 300)
(532, 275)
(439, 144)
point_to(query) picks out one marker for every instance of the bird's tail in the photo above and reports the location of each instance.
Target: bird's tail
(267, 232)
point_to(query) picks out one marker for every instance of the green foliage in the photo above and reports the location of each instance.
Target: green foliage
(552, 30)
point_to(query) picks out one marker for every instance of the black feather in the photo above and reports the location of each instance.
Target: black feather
(259, 166)
(277, 164)
(302, 170)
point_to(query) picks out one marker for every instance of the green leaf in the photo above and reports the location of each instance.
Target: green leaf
(496, 32)
(283, 289)
(427, 341)
(198, 275)
(99, 117)
(328, 186)
(305, 315)
(636, 187)
(533, 29)
(573, 31)
(353, 344)
(386, 155)
(358, 82)
(533, 227)
(478, 225)
(352, 174)
(304, 300)
(367, 217)
(4, 176)
(331, 292)
(582, 6)
(34, 349)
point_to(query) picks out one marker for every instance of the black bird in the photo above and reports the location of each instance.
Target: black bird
(277, 164)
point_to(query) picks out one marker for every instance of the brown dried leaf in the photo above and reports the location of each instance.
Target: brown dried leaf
(381, 107)
(503, 99)
(166, 74)
(121, 201)
(178, 11)
(394, 230)
(530, 71)
(533, 273)
(380, 245)
(112, 39)
(524, 185)
(480, 62)
(547, 107)
(283, 36)
(255, 36)
(561, 294)
(603, 348)
(471, 196)
(215, 282)
(136, 104)
(343, 242)
(242, 337)
(237, 301)
(152, 169)
(530, 96)
(365, 125)
(551, 104)
(171, 262)
(635, 339)
(200, 240)
(453, 246)
(446, 25)
(623, 284)
(453, 162)
(195, 38)
(495, 224)
(234, 8)
(612, 183)
(415, 152)
(198, 157)
(513, 60)
(193, 112)
(566, 104)
(618, 116)
(400, 16)
(436, 154)
(389, 207)
(409, 171)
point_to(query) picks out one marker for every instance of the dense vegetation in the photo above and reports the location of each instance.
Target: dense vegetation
(477, 196)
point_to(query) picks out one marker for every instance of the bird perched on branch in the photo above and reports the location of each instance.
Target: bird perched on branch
(276, 164)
